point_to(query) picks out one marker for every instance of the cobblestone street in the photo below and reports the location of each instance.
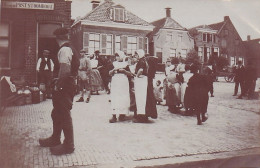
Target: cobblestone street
(233, 125)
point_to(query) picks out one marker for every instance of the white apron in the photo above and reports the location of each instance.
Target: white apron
(140, 93)
(120, 98)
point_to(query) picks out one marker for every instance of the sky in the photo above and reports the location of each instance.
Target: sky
(244, 14)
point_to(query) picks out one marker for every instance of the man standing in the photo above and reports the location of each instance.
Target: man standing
(62, 97)
(239, 79)
(45, 68)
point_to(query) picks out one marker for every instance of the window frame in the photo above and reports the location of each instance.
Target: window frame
(8, 38)
(123, 13)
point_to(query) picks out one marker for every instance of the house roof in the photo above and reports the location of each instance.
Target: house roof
(194, 30)
(165, 23)
(102, 14)
(217, 26)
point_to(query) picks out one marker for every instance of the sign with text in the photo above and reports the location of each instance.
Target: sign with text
(28, 5)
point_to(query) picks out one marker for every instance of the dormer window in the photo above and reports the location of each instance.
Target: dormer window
(118, 14)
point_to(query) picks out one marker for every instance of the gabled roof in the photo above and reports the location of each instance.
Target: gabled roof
(102, 14)
(194, 30)
(217, 26)
(165, 23)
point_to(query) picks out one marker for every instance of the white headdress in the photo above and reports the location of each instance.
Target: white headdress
(140, 53)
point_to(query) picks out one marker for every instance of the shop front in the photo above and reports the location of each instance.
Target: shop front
(26, 29)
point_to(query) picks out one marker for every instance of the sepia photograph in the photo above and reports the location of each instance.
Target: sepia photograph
(129, 84)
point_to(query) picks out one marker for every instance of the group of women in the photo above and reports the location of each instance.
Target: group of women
(132, 87)
(185, 88)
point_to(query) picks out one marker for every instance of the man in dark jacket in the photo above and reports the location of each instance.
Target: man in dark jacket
(239, 79)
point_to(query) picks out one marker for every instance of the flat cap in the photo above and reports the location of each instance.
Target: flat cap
(61, 31)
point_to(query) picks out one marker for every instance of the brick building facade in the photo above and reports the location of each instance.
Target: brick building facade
(26, 30)
(109, 27)
(230, 43)
(205, 42)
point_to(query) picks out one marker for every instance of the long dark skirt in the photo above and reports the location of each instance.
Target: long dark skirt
(150, 109)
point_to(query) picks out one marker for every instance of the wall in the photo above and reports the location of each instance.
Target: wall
(24, 53)
(161, 42)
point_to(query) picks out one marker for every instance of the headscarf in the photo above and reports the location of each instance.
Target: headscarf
(121, 55)
(140, 53)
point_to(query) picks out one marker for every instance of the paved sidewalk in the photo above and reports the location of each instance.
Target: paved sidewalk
(233, 125)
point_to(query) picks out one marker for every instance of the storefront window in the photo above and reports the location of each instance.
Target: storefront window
(4, 45)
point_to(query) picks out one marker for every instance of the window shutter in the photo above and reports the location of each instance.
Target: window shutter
(103, 43)
(140, 43)
(85, 40)
(18, 51)
(126, 16)
(124, 43)
(111, 14)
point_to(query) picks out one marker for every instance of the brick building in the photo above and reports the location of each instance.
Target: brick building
(169, 39)
(26, 30)
(205, 42)
(253, 52)
(109, 27)
(230, 43)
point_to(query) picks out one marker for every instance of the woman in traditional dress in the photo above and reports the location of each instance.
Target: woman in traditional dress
(95, 80)
(120, 98)
(186, 76)
(145, 100)
(197, 94)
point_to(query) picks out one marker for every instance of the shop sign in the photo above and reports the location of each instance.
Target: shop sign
(28, 5)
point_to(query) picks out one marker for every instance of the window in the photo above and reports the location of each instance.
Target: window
(208, 52)
(179, 38)
(131, 44)
(209, 37)
(169, 37)
(117, 43)
(214, 38)
(119, 14)
(216, 50)
(204, 37)
(146, 45)
(4, 45)
(172, 52)
(94, 42)
(183, 53)
(106, 44)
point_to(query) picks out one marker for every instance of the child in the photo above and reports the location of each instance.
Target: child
(158, 92)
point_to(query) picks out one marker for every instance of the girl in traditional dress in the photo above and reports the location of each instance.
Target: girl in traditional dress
(145, 100)
(186, 76)
(158, 92)
(120, 98)
(95, 80)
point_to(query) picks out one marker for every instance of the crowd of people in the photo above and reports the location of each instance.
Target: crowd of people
(129, 81)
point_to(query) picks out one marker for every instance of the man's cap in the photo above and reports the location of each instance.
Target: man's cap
(61, 31)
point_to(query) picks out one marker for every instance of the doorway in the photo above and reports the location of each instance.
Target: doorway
(47, 41)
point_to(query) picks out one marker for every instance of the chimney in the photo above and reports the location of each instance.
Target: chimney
(226, 18)
(168, 12)
(95, 3)
(248, 38)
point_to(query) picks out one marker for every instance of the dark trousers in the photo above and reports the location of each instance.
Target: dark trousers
(61, 115)
(242, 87)
(250, 88)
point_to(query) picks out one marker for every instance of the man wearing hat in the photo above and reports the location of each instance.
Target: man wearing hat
(62, 96)
(45, 69)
